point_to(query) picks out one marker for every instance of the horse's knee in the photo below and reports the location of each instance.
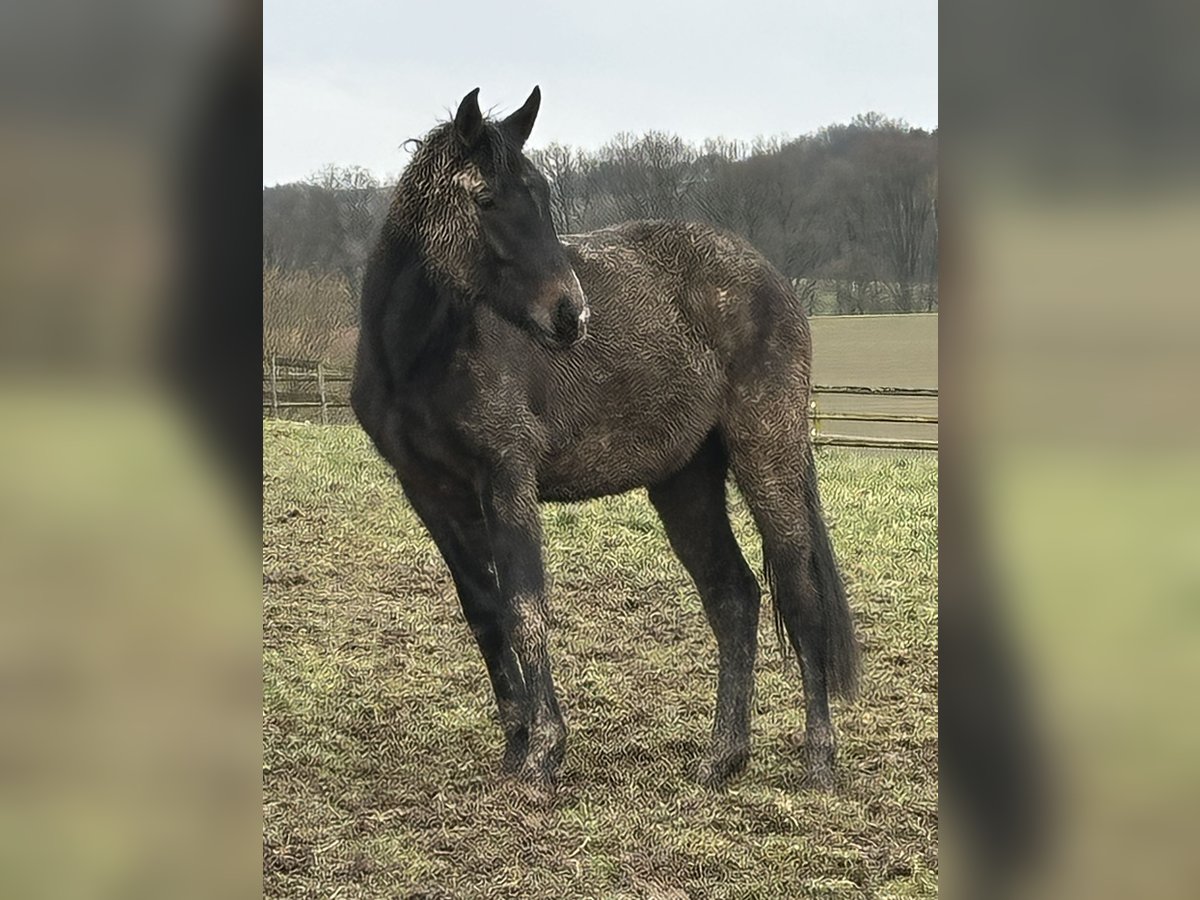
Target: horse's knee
(530, 625)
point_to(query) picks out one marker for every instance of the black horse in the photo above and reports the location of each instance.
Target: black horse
(500, 366)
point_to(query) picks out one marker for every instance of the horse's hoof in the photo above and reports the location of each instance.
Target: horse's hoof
(821, 778)
(510, 762)
(821, 774)
(718, 769)
(516, 748)
(536, 784)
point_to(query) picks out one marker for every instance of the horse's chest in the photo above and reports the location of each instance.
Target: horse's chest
(430, 438)
(458, 433)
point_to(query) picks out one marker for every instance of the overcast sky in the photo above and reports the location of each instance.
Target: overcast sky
(347, 82)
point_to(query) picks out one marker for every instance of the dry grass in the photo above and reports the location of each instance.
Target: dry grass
(306, 314)
(379, 771)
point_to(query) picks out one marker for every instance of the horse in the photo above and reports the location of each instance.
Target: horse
(501, 366)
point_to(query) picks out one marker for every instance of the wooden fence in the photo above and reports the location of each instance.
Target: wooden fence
(316, 389)
(305, 385)
(819, 417)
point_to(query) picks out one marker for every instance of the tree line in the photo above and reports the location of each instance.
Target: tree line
(849, 213)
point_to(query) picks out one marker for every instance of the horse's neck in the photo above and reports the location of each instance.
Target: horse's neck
(414, 322)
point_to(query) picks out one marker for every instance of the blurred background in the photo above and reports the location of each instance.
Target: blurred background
(131, 345)
(129, 578)
(1070, 214)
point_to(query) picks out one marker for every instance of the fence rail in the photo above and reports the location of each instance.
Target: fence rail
(874, 391)
(818, 416)
(851, 440)
(305, 385)
(302, 384)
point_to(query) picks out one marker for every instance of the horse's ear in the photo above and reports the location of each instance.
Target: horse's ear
(520, 124)
(468, 121)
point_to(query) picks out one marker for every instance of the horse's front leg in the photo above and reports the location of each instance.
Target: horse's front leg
(458, 527)
(515, 535)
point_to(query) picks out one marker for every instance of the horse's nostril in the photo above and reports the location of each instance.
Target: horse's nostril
(566, 319)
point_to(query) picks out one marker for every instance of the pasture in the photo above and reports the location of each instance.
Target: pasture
(380, 749)
(893, 351)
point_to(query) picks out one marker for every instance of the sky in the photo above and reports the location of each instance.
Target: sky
(348, 82)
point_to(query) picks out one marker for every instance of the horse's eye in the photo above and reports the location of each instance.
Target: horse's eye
(485, 199)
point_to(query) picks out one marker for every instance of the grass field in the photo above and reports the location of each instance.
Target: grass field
(380, 751)
(901, 350)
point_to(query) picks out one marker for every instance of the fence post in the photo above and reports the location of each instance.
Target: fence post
(275, 386)
(321, 388)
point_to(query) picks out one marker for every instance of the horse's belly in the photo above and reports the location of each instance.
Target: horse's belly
(631, 410)
(621, 457)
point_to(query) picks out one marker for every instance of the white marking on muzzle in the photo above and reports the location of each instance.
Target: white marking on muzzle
(585, 311)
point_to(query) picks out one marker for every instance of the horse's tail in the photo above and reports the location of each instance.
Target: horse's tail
(840, 655)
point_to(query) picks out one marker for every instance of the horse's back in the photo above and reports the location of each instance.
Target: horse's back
(650, 276)
(685, 319)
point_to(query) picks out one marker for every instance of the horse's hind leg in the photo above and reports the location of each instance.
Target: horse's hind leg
(777, 477)
(691, 504)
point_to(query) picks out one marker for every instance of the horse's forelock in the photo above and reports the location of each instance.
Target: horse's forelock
(441, 153)
(432, 205)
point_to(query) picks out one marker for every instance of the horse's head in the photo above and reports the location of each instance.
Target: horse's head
(483, 220)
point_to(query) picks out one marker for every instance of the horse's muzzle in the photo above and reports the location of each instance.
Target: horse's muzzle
(570, 321)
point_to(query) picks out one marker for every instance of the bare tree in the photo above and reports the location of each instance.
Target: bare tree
(899, 196)
(645, 177)
(852, 207)
(568, 171)
(730, 195)
(360, 207)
